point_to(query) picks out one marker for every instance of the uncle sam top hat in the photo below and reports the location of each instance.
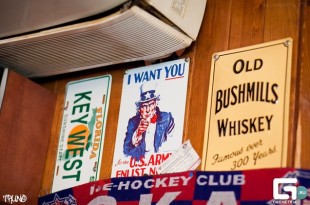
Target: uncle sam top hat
(148, 92)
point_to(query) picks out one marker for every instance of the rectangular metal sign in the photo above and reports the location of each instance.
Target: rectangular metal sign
(248, 107)
(150, 126)
(82, 132)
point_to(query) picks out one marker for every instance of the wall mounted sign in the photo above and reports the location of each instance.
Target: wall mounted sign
(192, 187)
(150, 126)
(82, 132)
(248, 108)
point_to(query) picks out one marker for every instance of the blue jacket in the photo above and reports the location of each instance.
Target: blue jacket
(164, 125)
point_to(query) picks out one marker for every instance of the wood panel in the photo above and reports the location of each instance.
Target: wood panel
(227, 24)
(283, 20)
(247, 23)
(52, 148)
(213, 37)
(26, 119)
(302, 156)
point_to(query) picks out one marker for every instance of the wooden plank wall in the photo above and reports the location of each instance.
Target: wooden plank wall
(23, 145)
(302, 156)
(227, 24)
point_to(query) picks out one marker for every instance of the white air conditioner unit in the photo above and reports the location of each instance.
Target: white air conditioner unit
(18, 16)
(128, 34)
(185, 14)
(3, 78)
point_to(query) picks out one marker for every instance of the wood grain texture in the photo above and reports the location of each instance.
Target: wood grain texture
(26, 120)
(302, 154)
(247, 23)
(213, 37)
(283, 20)
(50, 161)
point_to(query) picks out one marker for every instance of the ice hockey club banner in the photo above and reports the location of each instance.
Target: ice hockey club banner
(265, 186)
(151, 117)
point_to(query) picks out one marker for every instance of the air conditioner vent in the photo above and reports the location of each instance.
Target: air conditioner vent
(122, 37)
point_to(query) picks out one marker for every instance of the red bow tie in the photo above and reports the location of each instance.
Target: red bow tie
(153, 119)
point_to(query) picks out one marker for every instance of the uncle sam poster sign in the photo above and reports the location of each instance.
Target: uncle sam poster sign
(151, 117)
(82, 132)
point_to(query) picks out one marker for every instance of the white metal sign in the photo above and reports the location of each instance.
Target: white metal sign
(82, 132)
(248, 104)
(151, 117)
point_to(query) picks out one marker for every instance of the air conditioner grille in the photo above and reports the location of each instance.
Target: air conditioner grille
(129, 36)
